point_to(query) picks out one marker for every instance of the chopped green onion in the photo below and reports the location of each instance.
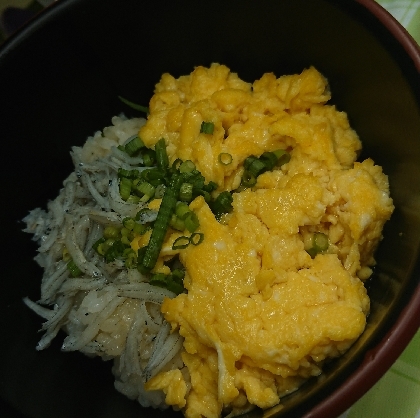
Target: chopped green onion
(269, 159)
(125, 232)
(222, 204)
(163, 218)
(211, 186)
(162, 159)
(134, 106)
(180, 243)
(130, 174)
(249, 160)
(185, 192)
(147, 190)
(256, 167)
(159, 279)
(320, 242)
(125, 188)
(197, 180)
(133, 199)
(129, 223)
(283, 157)
(312, 252)
(111, 232)
(182, 210)
(178, 275)
(130, 258)
(176, 164)
(140, 256)
(114, 251)
(133, 145)
(187, 167)
(149, 157)
(126, 240)
(175, 287)
(207, 128)
(154, 176)
(105, 246)
(191, 221)
(225, 158)
(168, 282)
(124, 173)
(248, 179)
(196, 238)
(177, 223)
(139, 229)
(98, 243)
(73, 269)
(160, 191)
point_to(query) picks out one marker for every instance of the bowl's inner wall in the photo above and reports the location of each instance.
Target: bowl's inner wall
(60, 80)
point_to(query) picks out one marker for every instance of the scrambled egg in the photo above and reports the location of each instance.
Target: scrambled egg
(260, 314)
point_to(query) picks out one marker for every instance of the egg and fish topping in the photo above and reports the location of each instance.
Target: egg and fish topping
(273, 225)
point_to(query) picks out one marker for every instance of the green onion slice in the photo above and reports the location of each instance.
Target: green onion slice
(111, 232)
(133, 145)
(269, 159)
(133, 199)
(207, 128)
(147, 190)
(169, 282)
(139, 229)
(182, 210)
(149, 158)
(191, 221)
(162, 159)
(128, 223)
(114, 251)
(176, 164)
(187, 167)
(222, 204)
(283, 157)
(225, 158)
(99, 242)
(320, 242)
(130, 258)
(177, 223)
(196, 238)
(210, 187)
(180, 243)
(125, 188)
(248, 179)
(185, 192)
(256, 167)
(178, 275)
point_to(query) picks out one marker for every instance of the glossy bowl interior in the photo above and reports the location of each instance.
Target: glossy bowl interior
(59, 81)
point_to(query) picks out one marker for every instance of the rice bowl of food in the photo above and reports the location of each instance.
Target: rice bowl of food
(223, 241)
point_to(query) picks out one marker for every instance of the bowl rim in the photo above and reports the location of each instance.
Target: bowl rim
(386, 351)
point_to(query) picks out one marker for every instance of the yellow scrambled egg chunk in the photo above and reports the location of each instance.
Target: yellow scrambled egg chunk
(260, 315)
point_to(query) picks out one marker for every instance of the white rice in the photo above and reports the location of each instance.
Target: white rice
(109, 311)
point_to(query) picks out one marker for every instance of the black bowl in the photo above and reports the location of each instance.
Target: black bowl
(60, 77)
